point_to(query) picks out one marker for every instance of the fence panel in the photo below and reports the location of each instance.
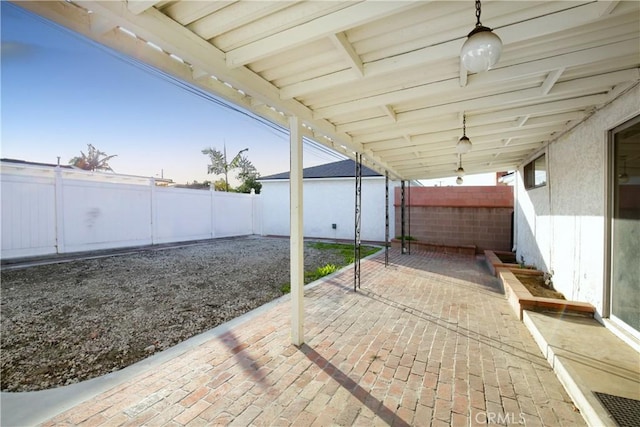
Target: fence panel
(181, 215)
(28, 216)
(48, 210)
(233, 214)
(104, 215)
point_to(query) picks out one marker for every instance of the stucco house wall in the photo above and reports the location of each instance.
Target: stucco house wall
(329, 201)
(561, 227)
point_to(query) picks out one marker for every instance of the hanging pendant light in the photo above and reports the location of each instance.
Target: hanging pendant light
(460, 170)
(464, 144)
(482, 49)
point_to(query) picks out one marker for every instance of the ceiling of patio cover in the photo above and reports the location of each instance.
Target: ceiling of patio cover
(383, 78)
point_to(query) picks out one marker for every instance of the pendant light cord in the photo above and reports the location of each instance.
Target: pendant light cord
(478, 24)
(464, 125)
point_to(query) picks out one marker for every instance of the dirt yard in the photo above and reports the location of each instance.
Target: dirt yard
(68, 322)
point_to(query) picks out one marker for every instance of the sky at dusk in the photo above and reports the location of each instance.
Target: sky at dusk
(61, 91)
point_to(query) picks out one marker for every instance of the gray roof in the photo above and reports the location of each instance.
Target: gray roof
(341, 169)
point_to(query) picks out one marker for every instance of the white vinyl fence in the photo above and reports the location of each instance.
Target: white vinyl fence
(49, 210)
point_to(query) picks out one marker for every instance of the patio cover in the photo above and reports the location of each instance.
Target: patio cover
(383, 78)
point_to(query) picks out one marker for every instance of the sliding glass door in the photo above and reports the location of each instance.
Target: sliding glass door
(625, 226)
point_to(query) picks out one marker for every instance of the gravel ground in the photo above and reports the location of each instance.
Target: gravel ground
(69, 322)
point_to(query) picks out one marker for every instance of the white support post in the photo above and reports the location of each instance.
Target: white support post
(296, 233)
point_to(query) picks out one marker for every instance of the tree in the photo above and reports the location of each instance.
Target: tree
(220, 185)
(219, 164)
(94, 160)
(249, 176)
(195, 185)
(247, 170)
(247, 173)
(248, 185)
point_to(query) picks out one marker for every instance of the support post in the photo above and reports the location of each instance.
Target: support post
(403, 248)
(386, 218)
(358, 221)
(409, 217)
(296, 233)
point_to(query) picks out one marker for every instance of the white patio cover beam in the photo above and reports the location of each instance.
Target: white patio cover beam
(405, 119)
(346, 50)
(186, 12)
(451, 87)
(358, 14)
(139, 6)
(542, 25)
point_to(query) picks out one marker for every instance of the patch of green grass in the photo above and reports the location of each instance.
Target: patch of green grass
(344, 249)
(312, 276)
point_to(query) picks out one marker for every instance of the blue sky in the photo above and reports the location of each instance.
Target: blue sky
(61, 91)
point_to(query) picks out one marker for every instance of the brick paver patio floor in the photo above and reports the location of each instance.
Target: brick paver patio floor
(429, 340)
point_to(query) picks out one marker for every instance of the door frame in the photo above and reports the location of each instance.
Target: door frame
(622, 329)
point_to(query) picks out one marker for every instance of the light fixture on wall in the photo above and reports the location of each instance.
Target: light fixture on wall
(623, 177)
(482, 49)
(464, 144)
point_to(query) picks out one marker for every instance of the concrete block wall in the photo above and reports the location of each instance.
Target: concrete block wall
(459, 216)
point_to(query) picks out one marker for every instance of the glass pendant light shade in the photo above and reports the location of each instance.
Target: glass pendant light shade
(481, 51)
(464, 145)
(459, 180)
(460, 172)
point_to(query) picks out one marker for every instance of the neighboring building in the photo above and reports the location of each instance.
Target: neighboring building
(577, 213)
(18, 162)
(109, 175)
(329, 203)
